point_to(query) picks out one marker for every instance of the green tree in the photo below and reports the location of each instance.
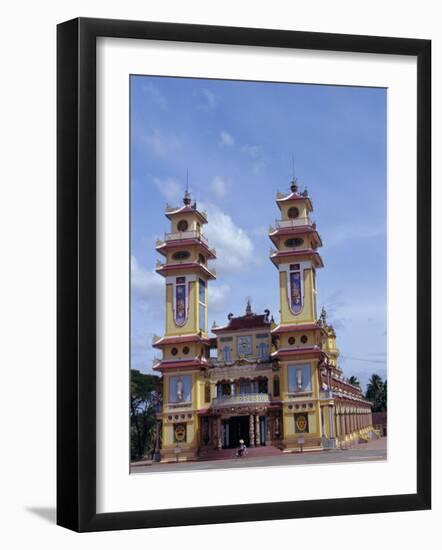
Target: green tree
(353, 380)
(377, 393)
(145, 401)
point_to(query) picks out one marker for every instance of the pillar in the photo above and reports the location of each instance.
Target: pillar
(251, 431)
(257, 430)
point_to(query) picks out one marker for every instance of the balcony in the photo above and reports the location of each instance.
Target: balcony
(240, 399)
(180, 235)
(294, 222)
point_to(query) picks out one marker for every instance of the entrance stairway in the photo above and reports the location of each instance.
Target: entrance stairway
(225, 454)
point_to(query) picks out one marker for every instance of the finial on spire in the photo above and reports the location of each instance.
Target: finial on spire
(249, 307)
(294, 182)
(187, 198)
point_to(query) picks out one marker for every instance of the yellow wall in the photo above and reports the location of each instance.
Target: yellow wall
(191, 219)
(233, 344)
(307, 313)
(300, 205)
(191, 325)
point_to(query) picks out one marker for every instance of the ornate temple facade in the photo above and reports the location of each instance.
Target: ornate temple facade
(268, 383)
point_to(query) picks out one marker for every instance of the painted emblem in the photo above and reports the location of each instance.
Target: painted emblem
(295, 292)
(301, 423)
(180, 304)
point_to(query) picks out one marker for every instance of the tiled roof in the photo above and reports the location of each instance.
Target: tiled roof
(245, 322)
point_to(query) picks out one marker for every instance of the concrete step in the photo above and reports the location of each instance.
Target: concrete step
(222, 454)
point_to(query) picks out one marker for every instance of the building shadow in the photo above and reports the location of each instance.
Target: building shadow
(47, 513)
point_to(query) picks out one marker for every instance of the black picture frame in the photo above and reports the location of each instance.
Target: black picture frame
(77, 287)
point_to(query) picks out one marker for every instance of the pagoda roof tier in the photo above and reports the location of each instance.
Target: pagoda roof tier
(172, 211)
(175, 269)
(169, 243)
(278, 256)
(298, 328)
(249, 321)
(294, 352)
(159, 342)
(292, 230)
(294, 196)
(196, 362)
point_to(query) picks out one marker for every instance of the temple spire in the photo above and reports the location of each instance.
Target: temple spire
(187, 198)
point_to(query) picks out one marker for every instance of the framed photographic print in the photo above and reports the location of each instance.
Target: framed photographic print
(243, 263)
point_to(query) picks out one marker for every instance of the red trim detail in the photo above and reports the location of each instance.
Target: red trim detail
(297, 328)
(163, 270)
(166, 365)
(181, 340)
(177, 243)
(290, 352)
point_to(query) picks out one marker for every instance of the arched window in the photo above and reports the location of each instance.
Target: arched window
(263, 350)
(276, 386)
(226, 354)
(207, 392)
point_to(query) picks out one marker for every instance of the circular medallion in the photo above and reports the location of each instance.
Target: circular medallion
(292, 340)
(174, 351)
(293, 212)
(180, 432)
(182, 225)
(301, 423)
(304, 339)
(186, 350)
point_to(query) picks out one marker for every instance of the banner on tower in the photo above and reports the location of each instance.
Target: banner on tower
(180, 304)
(295, 292)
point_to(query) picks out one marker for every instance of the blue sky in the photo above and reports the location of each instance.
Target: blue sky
(237, 140)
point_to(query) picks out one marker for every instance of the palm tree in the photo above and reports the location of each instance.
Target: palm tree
(354, 381)
(376, 393)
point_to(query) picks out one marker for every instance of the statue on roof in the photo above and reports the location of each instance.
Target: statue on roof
(323, 316)
(248, 307)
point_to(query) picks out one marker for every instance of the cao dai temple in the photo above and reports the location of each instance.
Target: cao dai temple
(268, 383)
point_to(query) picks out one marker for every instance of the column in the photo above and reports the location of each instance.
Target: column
(257, 438)
(219, 433)
(251, 431)
(331, 422)
(268, 427)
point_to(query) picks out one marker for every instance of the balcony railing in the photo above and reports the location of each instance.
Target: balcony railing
(295, 222)
(186, 235)
(240, 399)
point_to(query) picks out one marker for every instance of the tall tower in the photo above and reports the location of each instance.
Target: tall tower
(299, 335)
(186, 251)
(185, 345)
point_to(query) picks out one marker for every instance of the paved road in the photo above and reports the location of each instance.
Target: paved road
(374, 450)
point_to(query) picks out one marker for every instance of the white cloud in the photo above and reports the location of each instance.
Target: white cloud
(209, 100)
(340, 234)
(170, 188)
(217, 297)
(234, 249)
(160, 144)
(155, 95)
(218, 186)
(226, 139)
(256, 154)
(146, 285)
